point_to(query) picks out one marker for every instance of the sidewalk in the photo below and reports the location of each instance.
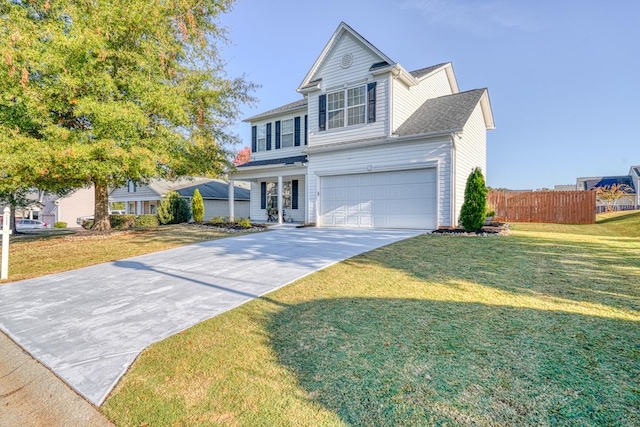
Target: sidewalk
(32, 396)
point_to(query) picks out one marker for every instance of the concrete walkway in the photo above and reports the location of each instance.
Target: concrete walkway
(89, 325)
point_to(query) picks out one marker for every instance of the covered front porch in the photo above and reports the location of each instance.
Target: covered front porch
(278, 191)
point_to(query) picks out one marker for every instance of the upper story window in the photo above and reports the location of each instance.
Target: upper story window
(335, 109)
(356, 101)
(262, 138)
(131, 187)
(287, 133)
(348, 107)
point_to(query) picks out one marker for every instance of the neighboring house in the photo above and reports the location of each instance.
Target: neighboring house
(144, 199)
(564, 187)
(630, 181)
(68, 208)
(370, 144)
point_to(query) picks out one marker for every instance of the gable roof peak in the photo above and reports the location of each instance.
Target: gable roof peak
(343, 28)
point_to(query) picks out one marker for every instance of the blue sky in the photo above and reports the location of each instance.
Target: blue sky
(563, 76)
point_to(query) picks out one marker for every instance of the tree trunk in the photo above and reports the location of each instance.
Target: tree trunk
(13, 218)
(101, 212)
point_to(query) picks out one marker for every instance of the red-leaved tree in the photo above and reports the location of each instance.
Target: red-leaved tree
(242, 157)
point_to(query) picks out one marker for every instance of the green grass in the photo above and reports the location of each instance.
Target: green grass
(537, 328)
(39, 253)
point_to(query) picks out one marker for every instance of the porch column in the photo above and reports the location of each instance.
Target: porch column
(279, 199)
(231, 202)
(139, 208)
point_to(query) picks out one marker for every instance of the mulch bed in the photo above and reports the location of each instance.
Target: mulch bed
(492, 229)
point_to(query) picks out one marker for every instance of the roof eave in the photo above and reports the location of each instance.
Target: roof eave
(279, 113)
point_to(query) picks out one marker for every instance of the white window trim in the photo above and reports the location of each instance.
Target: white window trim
(283, 133)
(261, 130)
(274, 195)
(346, 107)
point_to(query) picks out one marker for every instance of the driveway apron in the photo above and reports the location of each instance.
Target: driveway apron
(89, 325)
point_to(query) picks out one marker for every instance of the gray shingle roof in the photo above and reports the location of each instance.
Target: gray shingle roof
(312, 83)
(281, 161)
(607, 181)
(215, 190)
(446, 113)
(424, 71)
(283, 109)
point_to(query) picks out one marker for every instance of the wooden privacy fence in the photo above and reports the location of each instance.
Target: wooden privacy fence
(559, 207)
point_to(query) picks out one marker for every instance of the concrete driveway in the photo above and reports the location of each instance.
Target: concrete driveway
(89, 325)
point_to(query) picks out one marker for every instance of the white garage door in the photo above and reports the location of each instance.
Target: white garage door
(404, 199)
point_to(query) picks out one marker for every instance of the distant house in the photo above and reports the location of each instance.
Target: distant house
(631, 182)
(67, 208)
(144, 199)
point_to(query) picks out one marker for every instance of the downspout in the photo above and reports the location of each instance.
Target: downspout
(454, 221)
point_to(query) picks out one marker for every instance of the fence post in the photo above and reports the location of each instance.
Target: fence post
(6, 230)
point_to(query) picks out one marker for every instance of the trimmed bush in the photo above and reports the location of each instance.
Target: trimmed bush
(146, 221)
(244, 223)
(217, 220)
(474, 208)
(122, 222)
(197, 206)
(59, 224)
(173, 209)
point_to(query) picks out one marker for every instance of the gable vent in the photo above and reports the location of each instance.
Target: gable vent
(347, 60)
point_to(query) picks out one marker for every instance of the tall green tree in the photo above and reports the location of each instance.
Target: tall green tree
(99, 93)
(474, 207)
(197, 206)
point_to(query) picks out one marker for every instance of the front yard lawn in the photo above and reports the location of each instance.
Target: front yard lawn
(39, 253)
(538, 328)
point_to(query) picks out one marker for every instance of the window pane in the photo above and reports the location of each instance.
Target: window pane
(335, 101)
(355, 115)
(356, 96)
(262, 138)
(287, 140)
(287, 126)
(336, 119)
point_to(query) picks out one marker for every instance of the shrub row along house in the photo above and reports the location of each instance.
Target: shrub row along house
(370, 144)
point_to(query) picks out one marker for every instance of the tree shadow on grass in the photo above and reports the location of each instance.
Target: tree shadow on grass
(411, 362)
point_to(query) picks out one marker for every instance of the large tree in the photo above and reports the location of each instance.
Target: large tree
(99, 93)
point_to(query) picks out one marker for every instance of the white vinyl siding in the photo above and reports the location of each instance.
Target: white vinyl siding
(471, 152)
(283, 151)
(220, 208)
(297, 215)
(406, 100)
(335, 79)
(385, 158)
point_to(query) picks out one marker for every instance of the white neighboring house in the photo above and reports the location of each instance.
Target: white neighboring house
(634, 173)
(629, 201)
(144, 199)
(67, 209)
(370, 144)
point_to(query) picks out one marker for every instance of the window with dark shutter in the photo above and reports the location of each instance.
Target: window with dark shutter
(296, 131)
(254, 139)
(322, 112)
(263, 195)
(294, 194)
(268, 136)
(371, 101)
(306, 130)
(277, 134)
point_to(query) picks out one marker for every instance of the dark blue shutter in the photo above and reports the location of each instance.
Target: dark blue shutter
(322, 112)
(371, 100)
(263, 195)
(306, 130)
(294, 194)
(268, 136)
(278, 134)
(296, 131)
(254, 139)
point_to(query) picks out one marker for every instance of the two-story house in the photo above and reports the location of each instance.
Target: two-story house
(370, 144)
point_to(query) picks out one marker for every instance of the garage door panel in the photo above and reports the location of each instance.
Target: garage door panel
(401, 199)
